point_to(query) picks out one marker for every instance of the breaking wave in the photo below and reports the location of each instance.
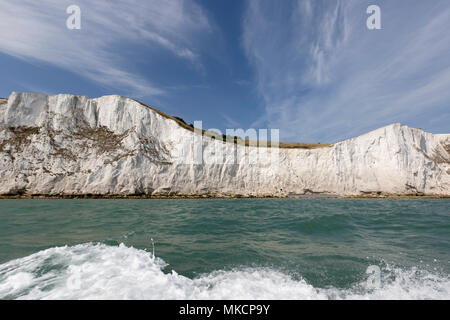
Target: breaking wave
(99, 271)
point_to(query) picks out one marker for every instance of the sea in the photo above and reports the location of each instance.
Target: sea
(225, 249)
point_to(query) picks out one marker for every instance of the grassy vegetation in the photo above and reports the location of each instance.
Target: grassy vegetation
(236, 140)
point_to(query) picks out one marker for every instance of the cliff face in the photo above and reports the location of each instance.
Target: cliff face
(65, 144)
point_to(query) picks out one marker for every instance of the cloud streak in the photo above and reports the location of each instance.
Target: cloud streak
(36, 31)
(323, 76)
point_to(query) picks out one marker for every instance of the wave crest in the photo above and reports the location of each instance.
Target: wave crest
(98, 271)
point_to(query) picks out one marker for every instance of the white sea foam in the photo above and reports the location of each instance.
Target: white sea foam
(98, 271)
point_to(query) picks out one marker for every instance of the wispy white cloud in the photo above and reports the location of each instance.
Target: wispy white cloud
(36, 31)
(230, 123)
(324, 76)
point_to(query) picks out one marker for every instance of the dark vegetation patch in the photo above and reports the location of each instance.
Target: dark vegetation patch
(58, 150)
(19, 138)
(155, 152)
(103, 139)
(82, 136)
(120, 156)
(65, 154)
(442, 156)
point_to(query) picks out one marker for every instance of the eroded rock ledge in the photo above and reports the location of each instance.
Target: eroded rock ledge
(114, 147)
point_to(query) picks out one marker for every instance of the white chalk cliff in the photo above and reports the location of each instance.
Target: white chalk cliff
(67, 145)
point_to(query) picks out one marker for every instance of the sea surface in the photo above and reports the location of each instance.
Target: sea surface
(225, 249)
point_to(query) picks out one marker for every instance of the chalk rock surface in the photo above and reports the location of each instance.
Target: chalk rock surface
(72, 145)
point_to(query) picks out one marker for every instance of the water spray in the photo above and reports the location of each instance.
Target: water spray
(153, 246)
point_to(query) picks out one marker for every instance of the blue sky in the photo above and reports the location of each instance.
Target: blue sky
(310, 68)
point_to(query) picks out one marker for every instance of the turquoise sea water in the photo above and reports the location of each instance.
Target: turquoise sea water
(225, 249)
